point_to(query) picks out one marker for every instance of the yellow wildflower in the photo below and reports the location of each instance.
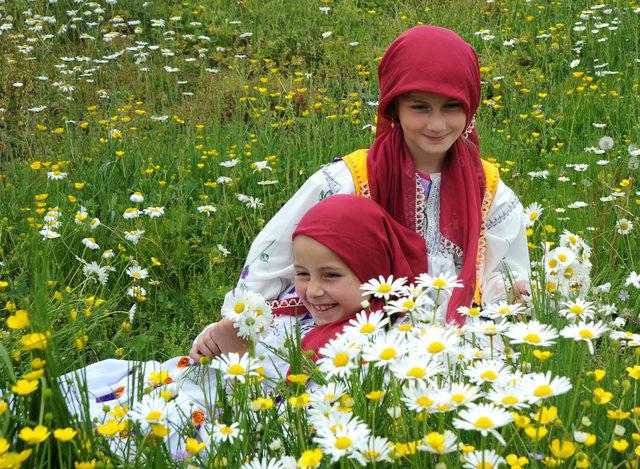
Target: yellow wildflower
(536, 433)
(64, 434)
(562, 449)
(299, 401)
(600, 396)
(193, 446)
(19, 320)
(35, 341)
(598, 375)
(24, 387)
(298, 379)
(634, 371)
(620, 445)
(33, 436)
(618, 414)
(85, 464)
(310, 458)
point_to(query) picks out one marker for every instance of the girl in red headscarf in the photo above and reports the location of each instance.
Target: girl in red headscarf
(424, 168)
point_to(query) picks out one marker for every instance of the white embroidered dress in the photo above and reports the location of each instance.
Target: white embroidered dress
(269, 266)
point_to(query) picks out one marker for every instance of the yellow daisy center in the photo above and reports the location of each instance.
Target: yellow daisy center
(439, 283)
(484, 422)
(341, 359)
(226, 430)
(384, 288)
(532, 338)
(154, 415)
(367, 328)
(238, 308)
(343, 442)
(387, 354)
(509, 400)
(586, 334)
(458, 398)
(489, 375)
(424, 401)
(436, 347)
(408, 304)
(543, 391)
(416, 372)
(576, 309)
(236, 369)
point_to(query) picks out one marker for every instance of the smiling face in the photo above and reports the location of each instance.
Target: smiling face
(324, 283)
(431, 123)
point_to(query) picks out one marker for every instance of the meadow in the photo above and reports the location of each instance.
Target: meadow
(144, 144)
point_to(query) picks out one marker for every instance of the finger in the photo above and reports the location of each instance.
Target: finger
(209, 348)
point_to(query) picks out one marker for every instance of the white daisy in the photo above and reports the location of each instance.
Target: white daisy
(531, 214)
(136, 197)
(502, 309)
(487, 459)
(154, 212)
(235, 367)
(542, 385)
(378, 449)
(338, 358)
(532, 333)
(46, 233)
(512, 397)
(624, 226)
(484, 418)
(383, 288)
(131, 213)
(585, 331)
(207, 209)
(223, 432)
(486, 371)
(578, 309)
(133, 235)
(56, 175)
(420, 396)
(90, 243)
(366, 325)
(137, 272)
(462, 393)
(348, 439)
(385, 349)
(443, 283)
(416, 367)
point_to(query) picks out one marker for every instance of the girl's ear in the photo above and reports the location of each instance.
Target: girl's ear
(392, 110)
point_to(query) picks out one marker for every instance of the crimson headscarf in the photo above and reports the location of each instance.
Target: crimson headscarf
(371, 245)
(435, 60)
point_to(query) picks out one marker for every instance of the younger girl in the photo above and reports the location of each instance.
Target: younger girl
(424, 168)
(333, 257)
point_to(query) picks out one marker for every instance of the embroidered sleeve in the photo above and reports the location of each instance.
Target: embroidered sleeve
(507, 253)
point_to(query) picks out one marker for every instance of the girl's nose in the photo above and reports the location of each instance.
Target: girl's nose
(436, 123)
(314, 290)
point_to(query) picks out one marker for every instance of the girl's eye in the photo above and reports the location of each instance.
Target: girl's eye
(302, 274)
(332, 275)
(453, 105)
(419, 107)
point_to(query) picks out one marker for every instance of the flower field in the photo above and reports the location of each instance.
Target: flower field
(143, 145)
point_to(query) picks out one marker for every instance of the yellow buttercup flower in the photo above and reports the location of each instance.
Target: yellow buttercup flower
(618, 414)
(85, 464)
(33, 436)
(4, 446)
(542, 355)
(110, 428)
(24, 387)
(19, 320)
(193, 446)
(3, 407)
(634, 371)
(33, 375)
(310, 458)
(562, 449)
(600, 396)
(64, 434)
(620, 445)
(376, 395)
(298, 379)
(35, 341)
(38, 363)
(299, 401)
(536, 433)
(598, 375)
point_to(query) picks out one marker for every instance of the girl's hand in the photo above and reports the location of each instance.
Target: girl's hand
(218, 339)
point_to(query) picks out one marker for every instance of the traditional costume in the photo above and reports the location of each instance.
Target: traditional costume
(469, 219)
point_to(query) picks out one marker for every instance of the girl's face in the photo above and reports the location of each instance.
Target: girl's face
(431, 123)
(324, 283)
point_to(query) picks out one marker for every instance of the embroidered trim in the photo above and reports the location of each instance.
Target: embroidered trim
(496, 220)
(364, 190)
(469, 129)
(332, 185)
(292, 302)
(420, 203)
(482, 242)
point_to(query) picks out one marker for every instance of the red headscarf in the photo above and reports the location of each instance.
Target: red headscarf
(371, 245)
(435, 60)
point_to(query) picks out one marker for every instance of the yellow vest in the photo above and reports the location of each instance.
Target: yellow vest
(357, 164)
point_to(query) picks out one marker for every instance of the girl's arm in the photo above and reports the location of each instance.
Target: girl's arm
(506, 254)
(268, 269)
